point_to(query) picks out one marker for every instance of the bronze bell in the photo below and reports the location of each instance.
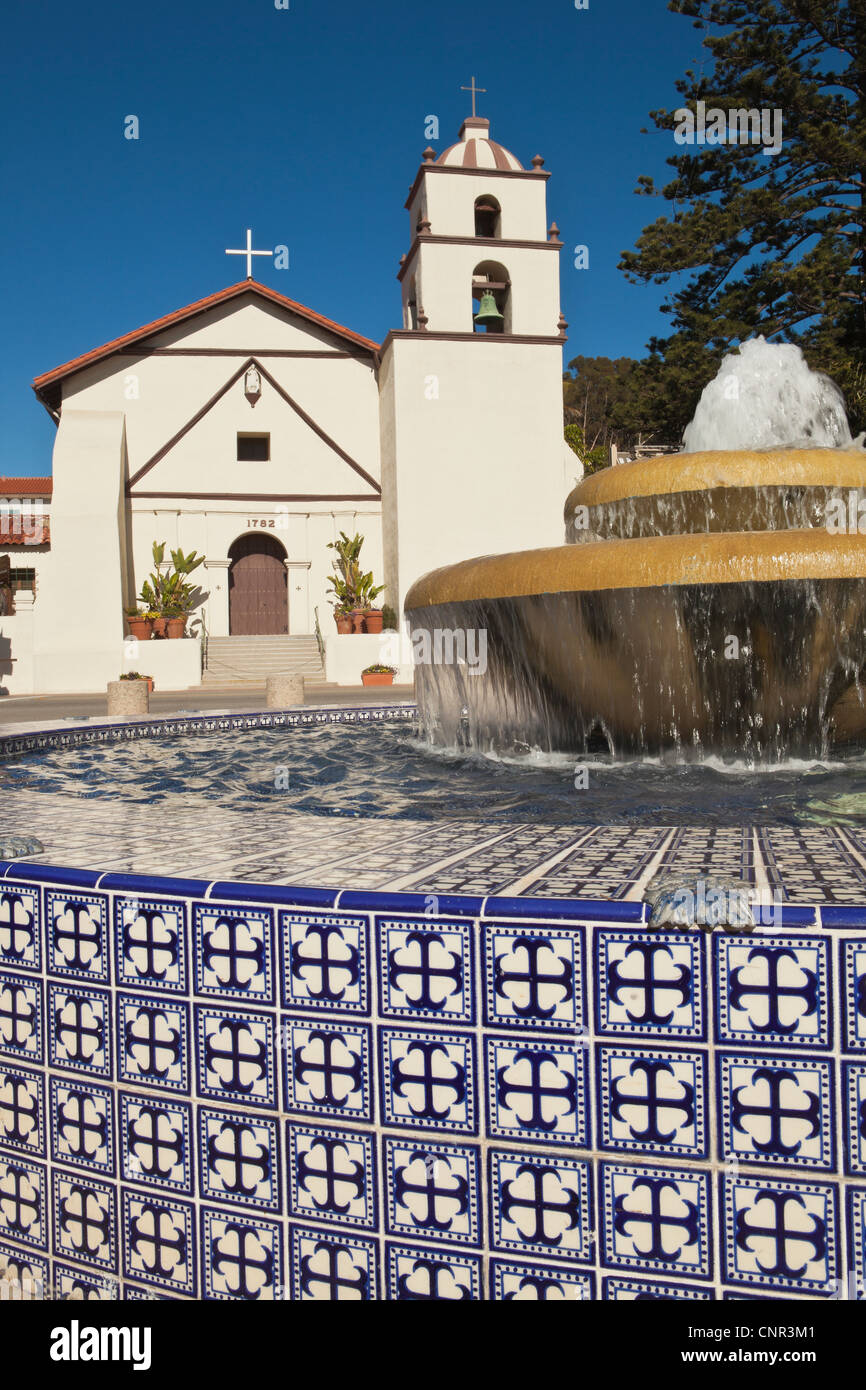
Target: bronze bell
(488, 315)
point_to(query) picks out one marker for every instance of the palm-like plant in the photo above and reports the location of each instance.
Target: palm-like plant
(352, 588)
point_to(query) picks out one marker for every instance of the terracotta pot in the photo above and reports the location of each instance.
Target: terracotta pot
(159, 627)
(149, 683)
(373, 620)
(344, 624)
(174, 627)
(377, 678)
(142, 628)
(358, 615)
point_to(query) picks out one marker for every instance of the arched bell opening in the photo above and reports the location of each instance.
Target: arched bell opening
(488, 216)
(491, 292)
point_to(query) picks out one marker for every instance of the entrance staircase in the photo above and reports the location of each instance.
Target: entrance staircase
(250, 660)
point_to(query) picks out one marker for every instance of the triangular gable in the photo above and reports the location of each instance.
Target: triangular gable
(133, 490)
(48, 386)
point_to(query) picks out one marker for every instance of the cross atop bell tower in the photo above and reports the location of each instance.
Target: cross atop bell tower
(475, 91)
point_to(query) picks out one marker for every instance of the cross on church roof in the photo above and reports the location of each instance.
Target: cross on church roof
(474, 90)
(249, 253)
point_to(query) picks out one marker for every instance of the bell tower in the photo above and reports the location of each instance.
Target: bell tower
(473, 456)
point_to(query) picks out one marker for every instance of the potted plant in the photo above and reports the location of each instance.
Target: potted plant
(343, 619)
(377, 674)
(140, 623)
(354, 590)
(137, 676)
(373, 620)
(169, 595)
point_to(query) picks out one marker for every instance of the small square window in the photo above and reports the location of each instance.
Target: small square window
(254, 448)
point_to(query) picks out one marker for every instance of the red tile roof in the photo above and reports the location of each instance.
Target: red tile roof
(20, 531)
(26, 487)
(49, 398)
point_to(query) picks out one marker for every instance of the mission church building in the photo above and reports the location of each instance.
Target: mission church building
(253, 430)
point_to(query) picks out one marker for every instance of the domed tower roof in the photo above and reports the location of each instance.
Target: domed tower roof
(475, 149)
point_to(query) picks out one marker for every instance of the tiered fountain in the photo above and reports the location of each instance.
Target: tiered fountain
(707, 601)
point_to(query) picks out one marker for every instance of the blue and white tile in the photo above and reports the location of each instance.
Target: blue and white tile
(541, 1204)
(24, 1273)
(657, 1220)
(537, 1090)
(419, 1275)
(432, 1190)
(328, 1068)
(650, 984)
(526, 1283)
(23, 1202)
(150, 943)
(428, 1080)
(82, 1124)
(780, 1234)
(76, 927)
(325, 962)
(21, 1020)
(153, 1041)
(856, 1280)
(853, 967)
(332, 1175)
(534, 977)
(241, 1256)
(652, 1100)
(20, 927)
(773, 990)
(235, 1056)
(426, 969)
(85, 1285)
(332, 1266)
(22, 1110)
(646, 1291)
(156, 1141)
(79, 1029)
(85, 1219)
(776, 1110)
(234, 951)
(159, 1241)
(239, 1158)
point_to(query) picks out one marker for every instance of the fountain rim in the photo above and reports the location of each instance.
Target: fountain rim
(720, 557)
(734, 468)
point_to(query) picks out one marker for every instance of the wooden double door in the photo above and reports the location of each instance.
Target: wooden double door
(258, 587)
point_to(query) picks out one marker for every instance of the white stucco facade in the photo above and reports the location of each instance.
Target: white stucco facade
(440, 444)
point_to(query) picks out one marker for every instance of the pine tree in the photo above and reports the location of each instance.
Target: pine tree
(767, 243)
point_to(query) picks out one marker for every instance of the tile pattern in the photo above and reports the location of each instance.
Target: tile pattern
(206, 1096)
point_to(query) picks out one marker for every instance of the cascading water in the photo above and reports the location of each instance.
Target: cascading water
(765, 396)
(715, 611)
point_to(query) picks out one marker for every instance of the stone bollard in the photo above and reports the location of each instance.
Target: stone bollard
(128, 697)
(285, 691)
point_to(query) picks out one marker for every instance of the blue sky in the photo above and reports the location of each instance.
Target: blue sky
(306, 124)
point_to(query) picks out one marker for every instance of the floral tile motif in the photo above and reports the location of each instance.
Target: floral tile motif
(82, 1124)
(534, 977)
(24, 1202)
(76, 927)
(853, 966)
(21, 1021)
(643, 1290)
(79, 1029)
(854, 1099)
(426, 970)
(239, 1158)
(235, 1056)
(328, 1069)
(541, 1205)
(156, 1141)
(234, 952)
(241, 1256)
(652, 1100)
(159, 1241)
(324, 962)
(537, 1090)
(20, 927)
(526, 1283)
(776, 1110)
(341, 1267)
(85, 1219)
(774, 989)
(153, 1041)
(780, 1234)
(657, 1220)
(432, 1190)
(428, 1080)
(22, 1110)
(649, 985)
(25, 1272)
(332, 1175)
(416, 1274)
(150, 943)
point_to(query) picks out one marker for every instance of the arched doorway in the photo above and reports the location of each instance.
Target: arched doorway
(258, 592)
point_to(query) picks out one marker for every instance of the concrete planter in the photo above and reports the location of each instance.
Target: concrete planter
(128, 697)
(284, 691)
